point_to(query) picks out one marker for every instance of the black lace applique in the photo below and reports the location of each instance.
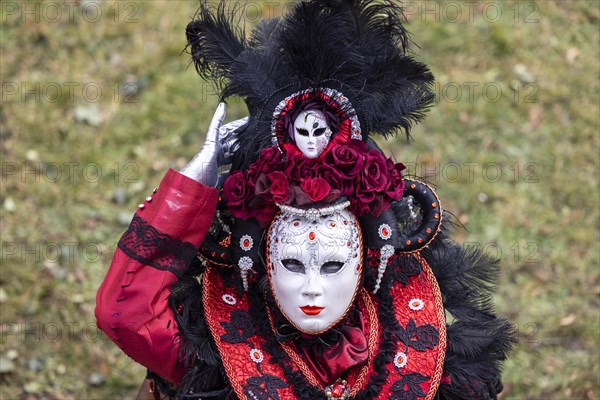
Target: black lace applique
(264, 387)
(147, 245)
(420, 337)
(403, 267)
(409, 387)
(240, 328)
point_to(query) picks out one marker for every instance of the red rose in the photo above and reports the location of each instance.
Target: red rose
(315, 188)
(253, 172)
(347, 159)
(357, 207)
(238, 191)
(299, 168)
(280, 186)
(269, 160)
(337, 180)
(373, 178)
(375, 207)
(396, 187)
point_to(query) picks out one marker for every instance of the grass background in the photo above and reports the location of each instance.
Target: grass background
(98, 101)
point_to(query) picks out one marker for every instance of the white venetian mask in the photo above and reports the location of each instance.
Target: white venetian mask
(314, 267)
(311, 133)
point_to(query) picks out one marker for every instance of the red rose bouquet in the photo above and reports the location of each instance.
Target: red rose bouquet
(350, 170)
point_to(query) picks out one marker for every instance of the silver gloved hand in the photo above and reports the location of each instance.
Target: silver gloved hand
(218, 150)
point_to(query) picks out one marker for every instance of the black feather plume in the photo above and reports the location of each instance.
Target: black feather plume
(213, 41)
(357, 47)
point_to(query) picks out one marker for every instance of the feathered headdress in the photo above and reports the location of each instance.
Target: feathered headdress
(350, 59)
(353, 51)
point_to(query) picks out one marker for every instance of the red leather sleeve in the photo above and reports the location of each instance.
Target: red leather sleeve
(132, 303)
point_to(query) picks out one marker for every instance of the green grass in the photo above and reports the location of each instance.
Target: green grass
(527, 190)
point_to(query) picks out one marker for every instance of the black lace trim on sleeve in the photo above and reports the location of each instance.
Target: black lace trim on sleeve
(147, 245)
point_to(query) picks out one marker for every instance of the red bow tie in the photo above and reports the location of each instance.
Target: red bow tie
(330, 362)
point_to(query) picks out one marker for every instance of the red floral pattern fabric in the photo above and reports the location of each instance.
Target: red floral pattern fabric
(414, 373)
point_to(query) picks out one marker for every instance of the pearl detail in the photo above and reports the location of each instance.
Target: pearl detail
(386, 252)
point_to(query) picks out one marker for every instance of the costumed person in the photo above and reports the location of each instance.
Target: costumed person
(310, 269)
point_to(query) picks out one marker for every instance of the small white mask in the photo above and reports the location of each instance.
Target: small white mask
(311, 133)
(315, 268)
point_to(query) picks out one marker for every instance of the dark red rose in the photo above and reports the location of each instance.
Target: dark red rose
(396, 186)
(357, 207)
(336, 179)
(280, 186)
(269, 160)
(253, 172)
(375, 207)
(348, 159)
(263, 187)
(236, 189)
(374, 177)
(238, 192)
(299, 168)
(315, 188)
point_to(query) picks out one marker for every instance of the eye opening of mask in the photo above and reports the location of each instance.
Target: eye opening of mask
(293, 265)
(302, 132)
(320, 131)
(331, 267)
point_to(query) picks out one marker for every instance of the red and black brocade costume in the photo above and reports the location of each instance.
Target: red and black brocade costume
(133, 302)
(186, 333)
(193, 324)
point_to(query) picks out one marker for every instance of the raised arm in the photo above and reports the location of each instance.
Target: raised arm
(164, 235)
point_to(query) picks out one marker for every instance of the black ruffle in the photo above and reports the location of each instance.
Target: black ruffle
(205, 377)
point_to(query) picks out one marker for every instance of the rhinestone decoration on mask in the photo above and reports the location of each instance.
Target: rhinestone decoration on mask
(315, 264)
(332, 228)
